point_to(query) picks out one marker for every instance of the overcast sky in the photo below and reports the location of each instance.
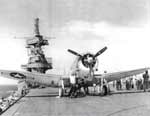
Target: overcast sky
(82, 25)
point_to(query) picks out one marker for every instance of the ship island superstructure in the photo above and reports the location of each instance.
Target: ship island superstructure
(37, 61)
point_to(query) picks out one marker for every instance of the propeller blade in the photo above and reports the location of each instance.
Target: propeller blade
(100, 52)
(75, 53)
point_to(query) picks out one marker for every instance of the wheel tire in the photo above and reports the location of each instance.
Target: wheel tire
(104, 91)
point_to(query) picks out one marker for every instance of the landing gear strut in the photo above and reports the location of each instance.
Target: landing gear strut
(104, 91)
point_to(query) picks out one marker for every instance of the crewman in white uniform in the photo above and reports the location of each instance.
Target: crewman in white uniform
(61, 88)
(73, 84)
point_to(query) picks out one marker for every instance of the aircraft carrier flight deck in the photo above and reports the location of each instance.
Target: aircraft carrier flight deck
(43, 102)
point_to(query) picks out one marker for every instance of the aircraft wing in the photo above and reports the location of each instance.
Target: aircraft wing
(37, 77)
(123, 74)
(48, 78)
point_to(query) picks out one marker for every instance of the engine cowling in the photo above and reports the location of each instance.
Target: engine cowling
(88, 60)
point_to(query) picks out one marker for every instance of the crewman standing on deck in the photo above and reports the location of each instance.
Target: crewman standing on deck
(73, 85)
(61, 88)
(145, 80)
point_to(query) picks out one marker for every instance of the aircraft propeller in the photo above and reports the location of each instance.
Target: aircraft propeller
(100, 52)
(75, 53)
(88, 60)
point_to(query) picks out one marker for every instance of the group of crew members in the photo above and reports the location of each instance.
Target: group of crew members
(131, 83)
(76, 84)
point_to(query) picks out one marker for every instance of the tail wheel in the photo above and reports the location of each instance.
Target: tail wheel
(104, 91)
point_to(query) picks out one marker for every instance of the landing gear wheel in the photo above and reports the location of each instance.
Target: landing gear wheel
(104, 91)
